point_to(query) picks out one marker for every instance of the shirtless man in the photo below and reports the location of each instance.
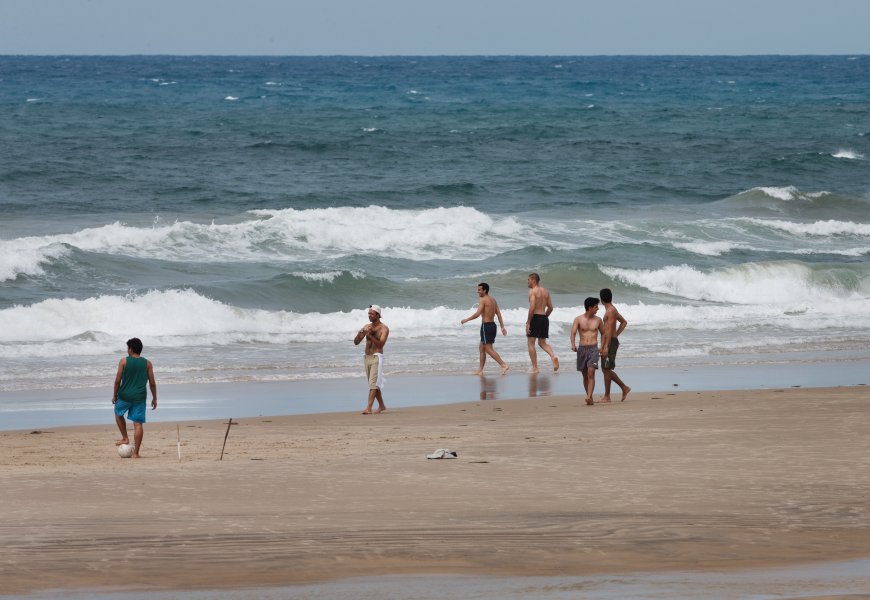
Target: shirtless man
(488, 307)
(538, 322)
(375, 335)
(588, 325)
(609, 345)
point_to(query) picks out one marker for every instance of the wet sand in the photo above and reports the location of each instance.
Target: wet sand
(542, 487)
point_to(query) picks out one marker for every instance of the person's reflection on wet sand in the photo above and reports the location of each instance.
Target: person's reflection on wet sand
(539, 385)
(488, 387)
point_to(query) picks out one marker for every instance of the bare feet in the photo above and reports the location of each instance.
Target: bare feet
(479, 372)
(123, 441)
(625, 392)
(555, 364)
(605, 399)
(366, 412)
(380, 410)
(589, 401)
(534, 370)
(505, 369)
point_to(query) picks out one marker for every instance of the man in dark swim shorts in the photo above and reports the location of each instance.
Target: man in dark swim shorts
(538, 321)
(539, 327)
(488, 308)
(614, 325)
(488, 331)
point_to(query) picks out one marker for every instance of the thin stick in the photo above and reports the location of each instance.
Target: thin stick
(178, 437)
(229, 424)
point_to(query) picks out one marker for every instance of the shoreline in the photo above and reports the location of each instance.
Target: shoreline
(827, 580)
(32, 409)
(689, 481)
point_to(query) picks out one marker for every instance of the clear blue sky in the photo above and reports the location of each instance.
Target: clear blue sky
(414, 27)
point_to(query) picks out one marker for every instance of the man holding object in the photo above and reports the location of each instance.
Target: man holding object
(375, 335)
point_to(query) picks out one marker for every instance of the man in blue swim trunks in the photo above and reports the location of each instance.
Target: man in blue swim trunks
(130, 395)
(488, 307)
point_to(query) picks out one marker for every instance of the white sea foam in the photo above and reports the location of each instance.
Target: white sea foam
(818, 228)
(457, 233)
(751, 283)
(445, 233)
(327, 276)
(370, 129)
(185, 319)
(708, 248)
(231, 98)
(786, 194)
(27, 256)
(182, 318)
(848, 154)
(269, 235)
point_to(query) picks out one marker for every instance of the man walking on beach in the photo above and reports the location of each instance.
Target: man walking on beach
(488, 307)
(588, 325)
(129, 395)
(610, 344)
(375, 335)
(538, 321)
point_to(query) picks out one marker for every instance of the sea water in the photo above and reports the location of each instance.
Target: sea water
(239, 214)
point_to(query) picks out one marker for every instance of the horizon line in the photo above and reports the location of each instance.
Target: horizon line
(627, 55)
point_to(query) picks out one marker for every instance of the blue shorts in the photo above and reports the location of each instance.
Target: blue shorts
(135, 410)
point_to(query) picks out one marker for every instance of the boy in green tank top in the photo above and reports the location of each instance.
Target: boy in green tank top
(130, 395)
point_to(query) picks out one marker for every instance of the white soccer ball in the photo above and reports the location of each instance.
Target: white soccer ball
(126, 450)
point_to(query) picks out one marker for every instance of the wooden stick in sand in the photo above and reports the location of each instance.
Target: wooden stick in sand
(229, 424)
(178, 439)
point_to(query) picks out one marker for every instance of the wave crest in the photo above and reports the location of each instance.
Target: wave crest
(750, 283)
(818, 228)
(457, 233)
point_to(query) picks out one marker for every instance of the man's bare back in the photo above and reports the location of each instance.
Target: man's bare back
(539, 301)
(537, 321)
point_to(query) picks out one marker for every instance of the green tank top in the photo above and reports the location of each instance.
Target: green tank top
(133, 380)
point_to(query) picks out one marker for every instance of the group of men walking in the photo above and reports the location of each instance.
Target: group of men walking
(588, 326)
(134, 371)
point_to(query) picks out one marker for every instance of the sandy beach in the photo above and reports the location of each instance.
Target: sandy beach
(541, 487)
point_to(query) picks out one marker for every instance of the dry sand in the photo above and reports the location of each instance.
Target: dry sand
(542, 486)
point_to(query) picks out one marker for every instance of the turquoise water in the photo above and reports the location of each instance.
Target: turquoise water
(238, 214)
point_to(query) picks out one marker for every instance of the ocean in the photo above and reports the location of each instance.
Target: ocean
(239, 214)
